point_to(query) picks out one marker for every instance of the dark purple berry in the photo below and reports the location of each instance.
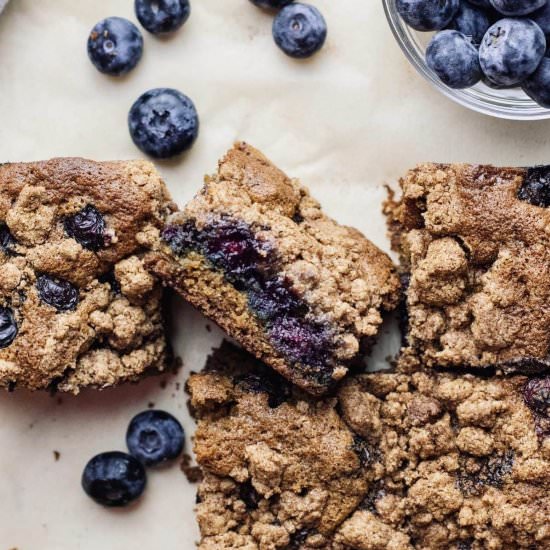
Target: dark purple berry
(8, 327)
(298, 539)
(114, 478)
(427, 15)
(7, 242)
(362, 450)
(249, 495)
(58, 293)
(115, 46)
(271, 4)
(154, 437)
(537, 395)
(266, 381)
(87, 227)
(162, 16)
(535, 188)
(299, 30)
(163, 123)
(300, 341)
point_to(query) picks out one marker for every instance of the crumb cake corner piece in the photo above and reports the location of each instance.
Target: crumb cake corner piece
(254, 252)
(77, 306)
(394, 461)
(475, 254)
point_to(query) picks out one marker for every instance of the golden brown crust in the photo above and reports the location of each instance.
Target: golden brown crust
(343, 278)
(479, 263)
(109, 336)
(445, 462)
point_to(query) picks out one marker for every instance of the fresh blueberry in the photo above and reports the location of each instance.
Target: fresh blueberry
(8, 327)
(542, 18)
(470, 21)
(162, 16)
(7, 242)
(87, 227)
(115, 46)
(299, 30)
(163, 123)
(511, 50)
(114, 478)
(271, 4)
(514, 8)
(452, 56)
(154, 437)
(58, 293)
(535, 188)
(537, 395)
(427, 15)
(537, 86)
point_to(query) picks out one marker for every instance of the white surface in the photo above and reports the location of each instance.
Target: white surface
(348, 121)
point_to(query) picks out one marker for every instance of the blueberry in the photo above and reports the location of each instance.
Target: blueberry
(470, 21)
(427, 15)
(58, 293)
(300, 341)
(154, 437)
(87, 227)
(114, 478)
(515, 8)
(115, 46)
(266, 381)
(163, 123)
(299, 30)
(271, 4)
(453, 57)
(249, 495)
(542, 18)
(537, 86)
(162, 16)
(7, 242)
(8, 327)
(535, 188)
(537, 395)
(511, 50)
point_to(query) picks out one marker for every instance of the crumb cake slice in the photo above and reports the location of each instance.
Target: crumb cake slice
(255, 253)
(475, 250)
(77, 307)
(397, 461)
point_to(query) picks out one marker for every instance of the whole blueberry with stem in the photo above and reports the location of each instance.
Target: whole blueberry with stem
(453, 57)
(299, 30)
(511, 50)
(163, 123)
(115, 46)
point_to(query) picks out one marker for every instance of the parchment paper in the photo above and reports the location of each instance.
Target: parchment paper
(348, 121)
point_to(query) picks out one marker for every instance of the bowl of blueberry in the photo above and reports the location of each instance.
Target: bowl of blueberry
(492, 56)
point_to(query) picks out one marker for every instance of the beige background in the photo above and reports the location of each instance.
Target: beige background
(348, 121)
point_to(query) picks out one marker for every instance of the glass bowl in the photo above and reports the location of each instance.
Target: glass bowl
(512, 104)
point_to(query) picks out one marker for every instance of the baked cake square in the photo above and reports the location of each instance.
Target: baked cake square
(255, 253)
(475, 249)
(77, 307)
(396, 461)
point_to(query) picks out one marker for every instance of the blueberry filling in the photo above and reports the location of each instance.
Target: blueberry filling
(110, 279)
(250, 265)
(58, 293)
(87, 227)
(362, 450)
(7, 241)
(490, 471)
(266, 381)
(8, 327)
(249, 495)
(297, 539)
(537, 395)
(535, 188)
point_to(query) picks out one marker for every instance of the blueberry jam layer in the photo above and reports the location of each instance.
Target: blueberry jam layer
(251, 266)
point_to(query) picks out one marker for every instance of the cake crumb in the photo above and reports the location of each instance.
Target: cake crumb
(56, 455)
(192, 473)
